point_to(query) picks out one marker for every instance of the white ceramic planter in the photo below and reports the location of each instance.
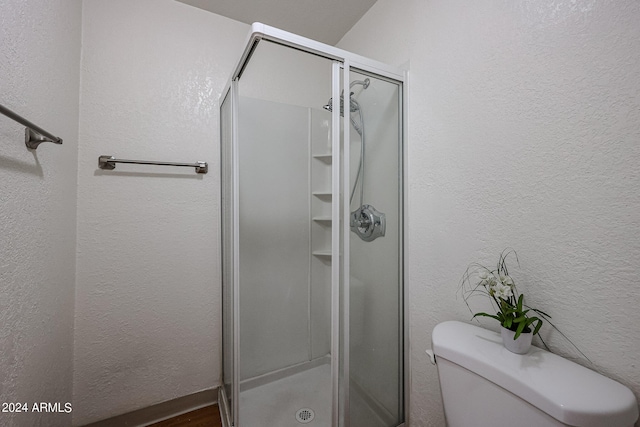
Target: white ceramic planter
(519, 346)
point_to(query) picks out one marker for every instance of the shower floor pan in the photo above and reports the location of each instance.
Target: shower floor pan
(279, 403)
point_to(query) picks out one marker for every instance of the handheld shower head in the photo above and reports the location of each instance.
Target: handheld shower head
(358, 125)
(365, 83)
(353, 105)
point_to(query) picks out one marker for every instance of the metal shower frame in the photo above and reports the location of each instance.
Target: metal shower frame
(343, 62)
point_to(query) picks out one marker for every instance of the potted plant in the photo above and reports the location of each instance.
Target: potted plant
(518, 323)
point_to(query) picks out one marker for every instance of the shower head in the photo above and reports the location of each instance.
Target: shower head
(365, 83)
(353, 105)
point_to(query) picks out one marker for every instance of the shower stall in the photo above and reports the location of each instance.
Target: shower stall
(313, 183)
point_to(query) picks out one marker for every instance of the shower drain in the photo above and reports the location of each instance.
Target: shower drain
(305, 415)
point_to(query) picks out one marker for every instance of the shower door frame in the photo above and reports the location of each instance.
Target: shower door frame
(343, 62)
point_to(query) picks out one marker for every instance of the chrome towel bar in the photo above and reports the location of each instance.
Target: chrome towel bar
(109, 163)
(33, 135)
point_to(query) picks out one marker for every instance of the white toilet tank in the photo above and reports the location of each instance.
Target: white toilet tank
(485, 385)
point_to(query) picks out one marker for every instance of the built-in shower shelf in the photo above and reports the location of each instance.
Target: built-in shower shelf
(323, 157)
(322, 254)
(323, 194)
(322, 219)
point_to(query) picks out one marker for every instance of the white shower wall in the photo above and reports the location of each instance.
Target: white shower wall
(284, 305)
(284, 290)
(274, 236)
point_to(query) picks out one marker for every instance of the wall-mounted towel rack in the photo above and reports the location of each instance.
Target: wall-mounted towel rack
(109, 163)
(33, 135)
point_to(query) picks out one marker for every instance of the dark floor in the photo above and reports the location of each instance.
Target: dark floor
(205, 417)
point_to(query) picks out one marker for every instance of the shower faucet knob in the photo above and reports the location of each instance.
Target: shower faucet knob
(368, 223)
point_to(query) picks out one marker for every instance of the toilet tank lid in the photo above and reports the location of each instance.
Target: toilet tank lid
(569, 392)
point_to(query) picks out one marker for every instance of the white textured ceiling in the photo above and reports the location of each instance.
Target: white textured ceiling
(323, 20)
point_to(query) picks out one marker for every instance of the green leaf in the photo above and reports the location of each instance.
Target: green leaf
(520, 319)
(538, 326)
(521, 327)
(507, 322)
(486, 315)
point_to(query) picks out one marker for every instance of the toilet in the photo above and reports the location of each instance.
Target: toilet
(483, 384)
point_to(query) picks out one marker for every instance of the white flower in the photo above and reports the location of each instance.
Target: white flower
(506, 280)
(486, 278)
(491, 286)
(502, 291)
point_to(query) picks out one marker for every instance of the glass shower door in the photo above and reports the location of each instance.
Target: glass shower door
(375, 287)
(313, 305)
(284, 256)
(226, 394)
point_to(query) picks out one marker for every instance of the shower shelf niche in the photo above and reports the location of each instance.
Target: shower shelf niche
(323, 194)
(323, 157)
(322, 219)
(322, 254)
(320, 207)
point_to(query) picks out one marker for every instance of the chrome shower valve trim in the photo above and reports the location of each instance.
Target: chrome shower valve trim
(368, 223)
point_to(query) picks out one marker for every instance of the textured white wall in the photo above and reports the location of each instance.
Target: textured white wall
(39, 79)
(148, 282)
(524, 128)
